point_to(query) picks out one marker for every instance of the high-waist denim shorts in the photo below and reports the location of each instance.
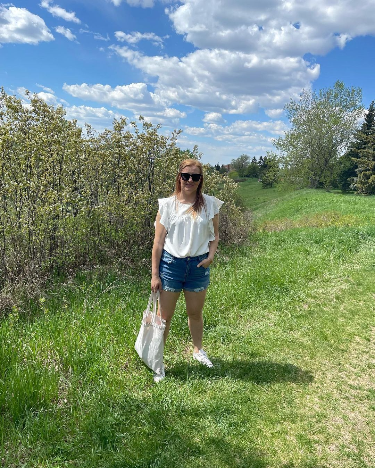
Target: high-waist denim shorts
(177, 273)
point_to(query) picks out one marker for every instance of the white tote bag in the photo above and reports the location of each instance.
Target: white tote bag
(150, 341)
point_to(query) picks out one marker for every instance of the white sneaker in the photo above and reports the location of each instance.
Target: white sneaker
(201, 356)
(159, 376)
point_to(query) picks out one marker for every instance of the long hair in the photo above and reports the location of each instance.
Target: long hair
(199, 200)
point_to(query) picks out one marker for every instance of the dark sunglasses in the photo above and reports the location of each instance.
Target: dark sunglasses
(194, 177)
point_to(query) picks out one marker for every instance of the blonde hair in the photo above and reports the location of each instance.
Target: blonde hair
(199, 200)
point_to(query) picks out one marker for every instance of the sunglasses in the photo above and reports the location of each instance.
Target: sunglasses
(185, 176)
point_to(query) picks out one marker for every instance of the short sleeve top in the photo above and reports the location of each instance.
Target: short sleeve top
(188, 236)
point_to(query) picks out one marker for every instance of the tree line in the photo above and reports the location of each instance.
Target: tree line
(324, 147)
(71, 196)
(266, 168)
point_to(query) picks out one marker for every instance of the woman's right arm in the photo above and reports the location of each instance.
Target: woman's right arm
(157, 249)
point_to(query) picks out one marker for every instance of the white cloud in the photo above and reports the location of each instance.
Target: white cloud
(47, 90)
(66, 32)
(195, 131)
(18, 25)
(47, 96)
(88, 113)
(273, 113)
(213, 117)
(223, 81)
(246, 127)
(134, 97)
(249, 55)
(136, 3)
(122, 97)
(96, 35)
(251, 137)
(99, 117)
(272, 28)
(59, 12)
(135, 37)
(248, 130)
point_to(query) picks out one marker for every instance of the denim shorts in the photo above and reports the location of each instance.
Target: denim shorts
(177, 274)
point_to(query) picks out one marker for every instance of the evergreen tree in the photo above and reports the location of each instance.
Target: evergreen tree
(253, 168)
(270, 170)
(368, 126)
(347, 170)
(361, 170)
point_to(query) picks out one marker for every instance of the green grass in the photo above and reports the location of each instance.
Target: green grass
(289, 324)
(255, 196)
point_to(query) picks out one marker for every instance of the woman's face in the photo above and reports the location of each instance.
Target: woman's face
(190, 186)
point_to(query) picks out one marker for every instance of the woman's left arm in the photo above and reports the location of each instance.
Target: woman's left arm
(213, 244)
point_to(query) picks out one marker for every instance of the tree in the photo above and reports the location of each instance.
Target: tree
(240, 164)
(368, 126)
(323, 124)
(252, 169)
(348, 163)
(362, 153)
(270, 170)
(347, 171)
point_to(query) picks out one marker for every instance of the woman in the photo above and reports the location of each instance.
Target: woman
(186, 239)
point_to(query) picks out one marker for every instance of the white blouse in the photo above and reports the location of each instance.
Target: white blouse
(188, 236)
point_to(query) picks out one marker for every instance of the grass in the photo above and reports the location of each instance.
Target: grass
(254, 196)
(288, 324)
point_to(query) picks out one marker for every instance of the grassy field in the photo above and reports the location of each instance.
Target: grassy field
(254, 196)
(289, 324)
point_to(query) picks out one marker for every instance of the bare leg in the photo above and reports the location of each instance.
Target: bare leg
(168, 301)
(194, 306)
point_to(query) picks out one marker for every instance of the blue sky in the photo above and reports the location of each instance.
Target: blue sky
(220, 70)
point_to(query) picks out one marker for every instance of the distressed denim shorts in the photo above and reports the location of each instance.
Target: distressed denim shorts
(177, 274)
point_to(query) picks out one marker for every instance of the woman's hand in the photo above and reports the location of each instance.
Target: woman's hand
(156, 284)
(205, 263)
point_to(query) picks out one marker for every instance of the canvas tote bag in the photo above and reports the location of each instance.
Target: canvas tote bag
(150, 341)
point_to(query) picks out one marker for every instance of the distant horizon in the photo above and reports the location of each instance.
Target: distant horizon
(221, 72)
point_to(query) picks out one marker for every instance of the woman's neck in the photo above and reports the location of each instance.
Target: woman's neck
(186, 198)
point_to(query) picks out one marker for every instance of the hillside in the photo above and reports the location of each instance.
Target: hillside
(289, 323)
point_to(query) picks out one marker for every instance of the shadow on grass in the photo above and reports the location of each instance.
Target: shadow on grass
(182, 452)
(259, 372)
(141, 433)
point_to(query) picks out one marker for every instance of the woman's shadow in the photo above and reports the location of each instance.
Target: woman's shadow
(261, 372)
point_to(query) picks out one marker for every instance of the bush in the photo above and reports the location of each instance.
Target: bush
(234, 221)
(233, 175)
(70, 198)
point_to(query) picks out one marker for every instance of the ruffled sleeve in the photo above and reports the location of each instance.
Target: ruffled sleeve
(164, 212)
(213, 208)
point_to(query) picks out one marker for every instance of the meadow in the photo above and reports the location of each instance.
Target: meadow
(289, 325)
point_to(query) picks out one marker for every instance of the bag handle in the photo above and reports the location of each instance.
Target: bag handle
(154, 298)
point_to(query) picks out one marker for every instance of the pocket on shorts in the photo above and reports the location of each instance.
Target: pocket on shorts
(167, 257)
(200, 258)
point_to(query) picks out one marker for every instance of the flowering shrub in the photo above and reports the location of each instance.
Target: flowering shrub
(70, 197)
